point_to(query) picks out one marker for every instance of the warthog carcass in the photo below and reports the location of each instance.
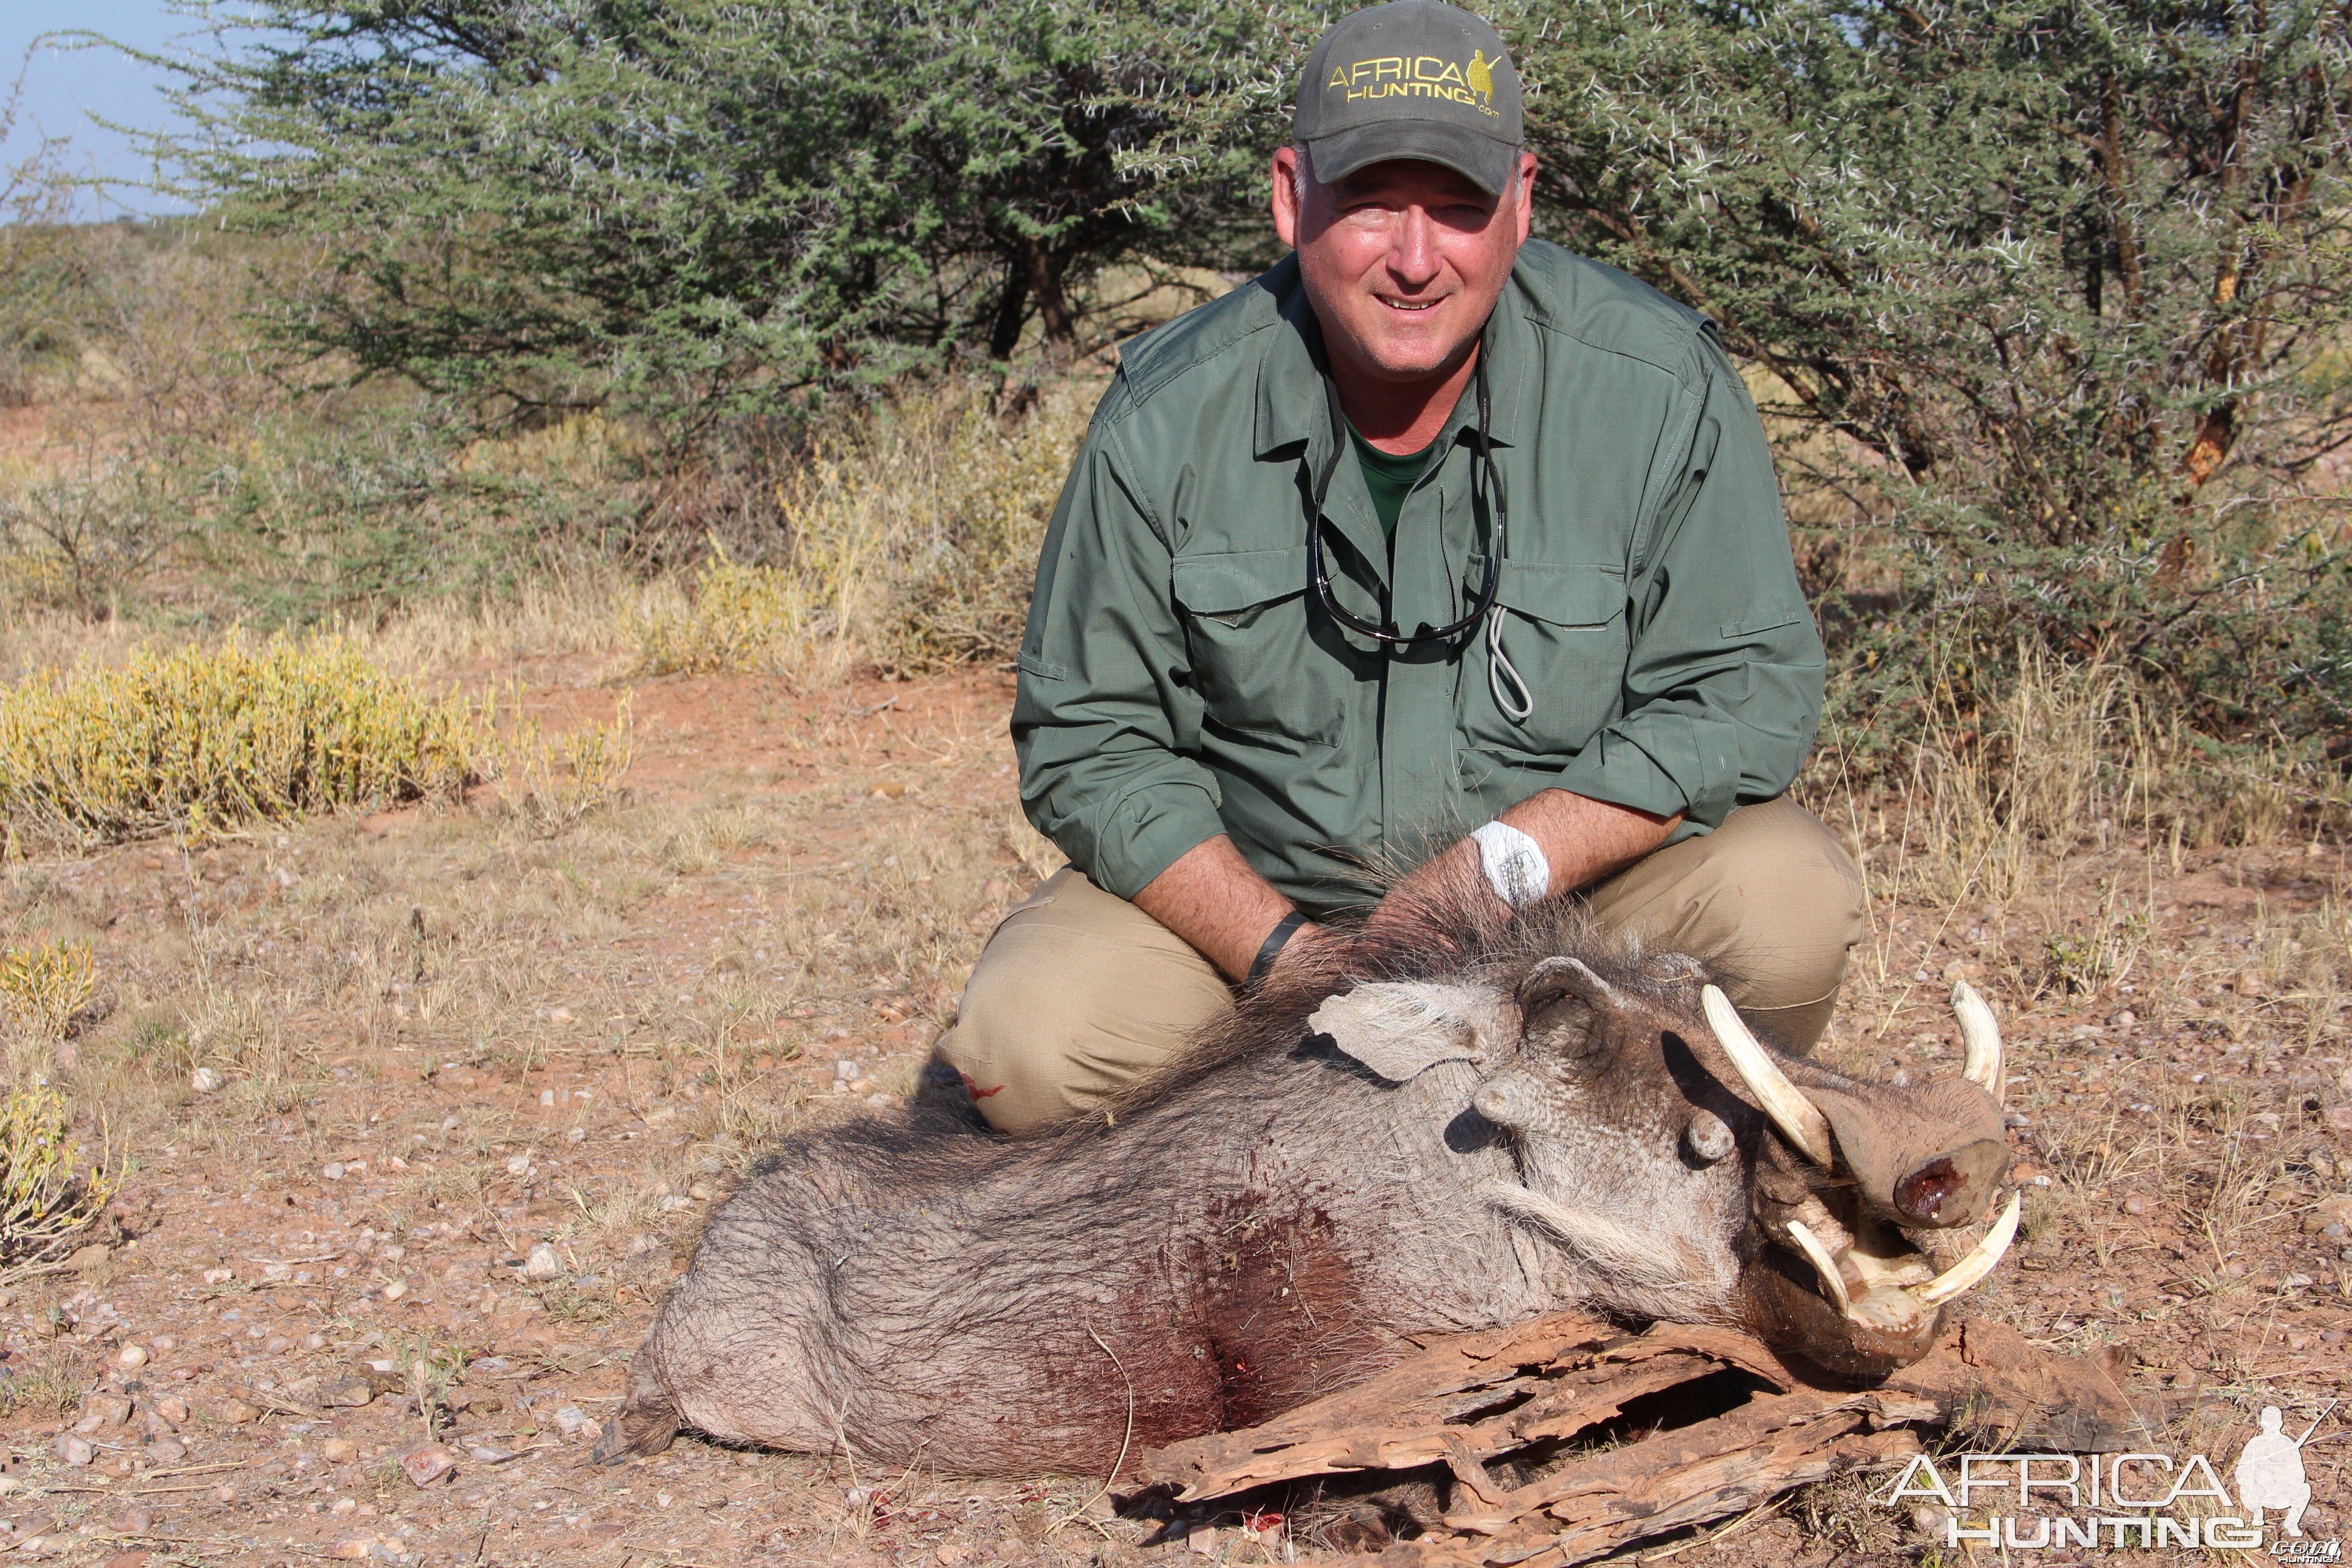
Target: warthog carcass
(1505, 1119)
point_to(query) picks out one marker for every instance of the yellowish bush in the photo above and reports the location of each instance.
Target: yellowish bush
(48, 1195)
(48, 983)
(200, 740)
(735, 617)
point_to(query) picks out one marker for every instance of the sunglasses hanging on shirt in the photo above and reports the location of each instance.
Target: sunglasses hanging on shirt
(1516, 702)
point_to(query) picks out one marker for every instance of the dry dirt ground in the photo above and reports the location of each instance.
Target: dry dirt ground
(481, 1078)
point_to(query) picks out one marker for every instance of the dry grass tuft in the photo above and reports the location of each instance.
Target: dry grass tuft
(913, 538)
(204, 741)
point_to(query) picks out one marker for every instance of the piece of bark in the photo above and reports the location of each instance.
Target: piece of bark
(1464, 1399)
(1993, 1382)
(1718, 1466)
(1677, 1497)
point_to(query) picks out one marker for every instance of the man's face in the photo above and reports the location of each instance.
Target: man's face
(1403, 260)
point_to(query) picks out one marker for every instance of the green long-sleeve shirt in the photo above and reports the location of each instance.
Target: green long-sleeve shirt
(1180, 679)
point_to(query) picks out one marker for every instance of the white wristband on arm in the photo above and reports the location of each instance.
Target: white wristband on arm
(1514, 864)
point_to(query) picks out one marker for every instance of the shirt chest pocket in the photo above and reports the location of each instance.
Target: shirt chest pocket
(1563, 629)
(1255, 662)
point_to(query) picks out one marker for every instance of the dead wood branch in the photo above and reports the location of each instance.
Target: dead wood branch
(1552, 1398)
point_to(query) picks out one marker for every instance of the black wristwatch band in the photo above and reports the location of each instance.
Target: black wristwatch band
(1274, 940)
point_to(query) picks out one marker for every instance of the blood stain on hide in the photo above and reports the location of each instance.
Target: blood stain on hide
(974, 1089)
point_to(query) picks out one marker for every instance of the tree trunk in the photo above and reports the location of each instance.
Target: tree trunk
(1045, 269)
(1012, 311)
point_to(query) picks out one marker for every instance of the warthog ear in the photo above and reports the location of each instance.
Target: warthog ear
(1399, 1031)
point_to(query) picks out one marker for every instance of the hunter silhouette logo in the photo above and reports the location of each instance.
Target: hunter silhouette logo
(1421, 76)
(1480, 77)
(2270, 1471)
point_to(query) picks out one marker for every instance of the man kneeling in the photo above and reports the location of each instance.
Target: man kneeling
(1431, 524)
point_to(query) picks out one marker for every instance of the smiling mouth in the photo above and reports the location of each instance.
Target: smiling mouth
(1411, 307)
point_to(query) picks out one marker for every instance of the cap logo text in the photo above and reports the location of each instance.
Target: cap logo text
(1421, 76)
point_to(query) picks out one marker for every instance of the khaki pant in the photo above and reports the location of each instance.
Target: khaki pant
(1078, 992)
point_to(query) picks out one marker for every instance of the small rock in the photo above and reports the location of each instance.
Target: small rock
(131, 1358)
(484, 1454)
(2339, 1118)
(1931, 1520)
(75, 1449)
(238, 1413)
(519, 1166)
(699, 1192)
(333, 1170)
(2327, 1211)
(167, 1450)
(338, 1451)
(1202, 1541)
(954, 1554)
(348, 1392)
(558, 1016)
(570, 1421)
(354, 1551)
(546, 1098)
(218, 1276)
(2135, 1205)
(173, 1408)
(86, 1258)
(104, 1410)
(276, 1344)
(205, 1080)
(2249, 982)
(544, 1263)
(429, 1466)
(395, 1290)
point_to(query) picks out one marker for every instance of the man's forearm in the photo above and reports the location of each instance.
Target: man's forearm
(1584, 839)
(1217, 902)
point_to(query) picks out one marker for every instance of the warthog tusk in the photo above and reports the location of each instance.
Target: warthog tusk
(1981, 1036)
(1979, 1262)
(1799, 1119)
(1823, 1265)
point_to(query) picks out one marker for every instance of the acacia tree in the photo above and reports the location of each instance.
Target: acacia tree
(701, 205)
(2065, 278)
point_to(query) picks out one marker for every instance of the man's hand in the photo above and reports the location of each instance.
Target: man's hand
(1583, 839)
(1216, 900)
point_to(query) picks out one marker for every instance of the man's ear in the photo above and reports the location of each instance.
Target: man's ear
(1399, 1031)
(1285, 174)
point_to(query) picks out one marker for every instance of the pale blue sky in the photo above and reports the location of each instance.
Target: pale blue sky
(64, 88)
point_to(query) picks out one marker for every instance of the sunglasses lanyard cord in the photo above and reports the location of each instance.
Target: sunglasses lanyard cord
(1504, 681)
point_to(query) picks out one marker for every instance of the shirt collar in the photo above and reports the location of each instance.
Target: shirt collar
(1290, 403)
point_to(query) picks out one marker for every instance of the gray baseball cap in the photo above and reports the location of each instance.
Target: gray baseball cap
(1413, 80)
